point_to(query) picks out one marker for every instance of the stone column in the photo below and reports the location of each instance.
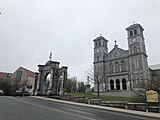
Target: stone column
(43, 85)
(109, 87)
(39, 81)
(64, 79)
(121, 85)
(54, 82)
(115, 85)
(128, 85)
(35, 82)
(38, 87)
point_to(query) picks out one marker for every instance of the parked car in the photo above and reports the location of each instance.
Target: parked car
(18, 93)
(1, 92)
(26, 93)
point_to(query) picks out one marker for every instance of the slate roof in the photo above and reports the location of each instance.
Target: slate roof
(3, 75)
(154, 67)
(28, 72)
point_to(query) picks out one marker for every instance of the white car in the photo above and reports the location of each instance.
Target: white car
(1, 92)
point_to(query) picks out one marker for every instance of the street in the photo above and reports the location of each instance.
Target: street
(29, 108)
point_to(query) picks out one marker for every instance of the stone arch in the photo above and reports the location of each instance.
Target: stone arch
(117, 84)
(111, 84)
(124, 84)
(52, 87)
(47, 79)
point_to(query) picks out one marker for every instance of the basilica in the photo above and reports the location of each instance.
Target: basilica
(120, 69)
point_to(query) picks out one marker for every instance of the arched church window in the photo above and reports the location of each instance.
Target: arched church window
(135, 32)
(135, 50)
(117, 67)
(123, 66)
(96, 44)
(136, 63)
(99, 43)
(97, 58)
(131, 33)
(138, 80)
(110, 68)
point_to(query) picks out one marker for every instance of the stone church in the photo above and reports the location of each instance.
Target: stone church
(122, 69)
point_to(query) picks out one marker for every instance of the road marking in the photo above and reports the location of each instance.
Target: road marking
(53, 109)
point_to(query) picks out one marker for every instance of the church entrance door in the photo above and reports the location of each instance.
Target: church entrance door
(124, 84)
(112, 84)
(118, 84)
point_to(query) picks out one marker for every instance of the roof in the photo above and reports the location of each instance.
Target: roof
(28, 72)
(154, 67)
(134, 25)
(99, 38)
(3, 75)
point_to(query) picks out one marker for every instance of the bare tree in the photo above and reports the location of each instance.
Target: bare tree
(96, 75)
(71, 85)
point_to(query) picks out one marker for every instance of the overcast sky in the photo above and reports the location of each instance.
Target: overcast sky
(31, 29)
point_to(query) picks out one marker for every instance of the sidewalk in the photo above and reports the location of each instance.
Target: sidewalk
(133, 112)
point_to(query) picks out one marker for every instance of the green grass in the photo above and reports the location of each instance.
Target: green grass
(106, 98)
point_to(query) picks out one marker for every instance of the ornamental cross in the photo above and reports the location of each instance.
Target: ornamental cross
(50, 56)
(115, 42)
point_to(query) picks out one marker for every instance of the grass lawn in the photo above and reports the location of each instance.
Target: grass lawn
(106, 98)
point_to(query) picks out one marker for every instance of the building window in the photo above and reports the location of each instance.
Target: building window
(97, 58)
(135, 50)
(135, 32)
(99, 43)
(96, 44)
(136, 63)
(138, 80)
(131, 33)
(18, 75)
(105, 45)
(110, 68)
(123, 66)
(117, 67)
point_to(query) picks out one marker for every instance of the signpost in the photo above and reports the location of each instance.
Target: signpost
(152, 97)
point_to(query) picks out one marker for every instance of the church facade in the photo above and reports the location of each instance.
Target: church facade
(121, 69)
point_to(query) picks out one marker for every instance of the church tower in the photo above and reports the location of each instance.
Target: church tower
(139, 71)
(100, 52)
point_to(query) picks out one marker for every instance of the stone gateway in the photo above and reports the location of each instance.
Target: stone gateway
(56, 84)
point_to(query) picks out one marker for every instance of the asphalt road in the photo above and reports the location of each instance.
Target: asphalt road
(28, 108)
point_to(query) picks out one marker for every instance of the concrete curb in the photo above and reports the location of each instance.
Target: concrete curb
(133, 112)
